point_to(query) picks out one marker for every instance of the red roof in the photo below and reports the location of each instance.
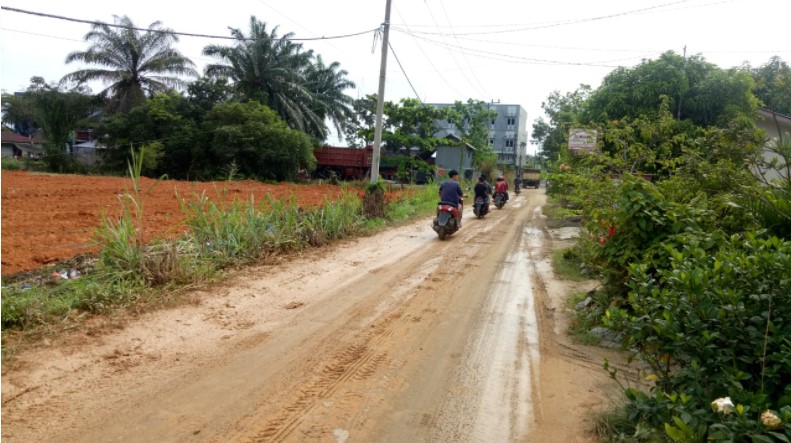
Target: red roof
(13, 137)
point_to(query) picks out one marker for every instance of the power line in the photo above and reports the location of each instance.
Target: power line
(185, 34)
(430, 62)
(507, 57)
(564, 23)
(472, 71)
(402, 70)
(463, 73)
(530, 25)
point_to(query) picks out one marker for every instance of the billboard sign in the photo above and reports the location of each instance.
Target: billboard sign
(582, 141)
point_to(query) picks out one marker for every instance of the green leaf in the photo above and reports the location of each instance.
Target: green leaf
(780, 437)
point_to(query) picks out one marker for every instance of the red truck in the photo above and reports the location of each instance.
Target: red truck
(348, 163)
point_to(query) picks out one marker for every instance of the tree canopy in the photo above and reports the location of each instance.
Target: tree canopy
(135, 64)
(293, 82)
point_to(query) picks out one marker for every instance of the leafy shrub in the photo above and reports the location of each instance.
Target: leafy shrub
(713, 324)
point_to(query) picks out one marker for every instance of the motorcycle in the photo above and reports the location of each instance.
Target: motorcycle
(448, 219)
(499, 200)
(516, 189)
(480, 208)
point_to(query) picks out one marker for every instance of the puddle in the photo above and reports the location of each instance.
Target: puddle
(507, 348)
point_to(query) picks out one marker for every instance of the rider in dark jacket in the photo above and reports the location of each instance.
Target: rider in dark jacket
(483, 190)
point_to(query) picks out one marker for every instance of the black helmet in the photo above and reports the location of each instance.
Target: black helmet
(453, 173)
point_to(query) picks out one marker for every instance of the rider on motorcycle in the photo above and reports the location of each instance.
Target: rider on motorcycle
(450, 192)
(483, 190)
(501, 187)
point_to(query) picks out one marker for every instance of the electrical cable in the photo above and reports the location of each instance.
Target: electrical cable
(430, 62)
(565, 23)
(510, 58)
(472, 71)
(185, 34)
(523, 25)
(453, 57)
(402, 70)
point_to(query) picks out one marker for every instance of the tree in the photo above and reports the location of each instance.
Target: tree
(278, 72)
(53, 109)
(698, 90)
(472, 120)
(773, 85)
(134, 64)
(253, 137)
(564, 111)
(328, 84)
(406, 125)
(166, 127)
(360, 129)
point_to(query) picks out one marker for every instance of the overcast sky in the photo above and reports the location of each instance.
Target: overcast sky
(515, 51)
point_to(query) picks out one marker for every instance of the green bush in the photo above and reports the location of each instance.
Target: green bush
(713, 324)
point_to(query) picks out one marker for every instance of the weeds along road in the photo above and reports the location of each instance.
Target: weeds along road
(395, 337)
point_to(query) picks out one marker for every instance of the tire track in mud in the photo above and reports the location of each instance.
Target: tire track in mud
(345, 380)
(362, 356)
(358, 361)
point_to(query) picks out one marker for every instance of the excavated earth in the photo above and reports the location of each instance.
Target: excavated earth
(397, 337)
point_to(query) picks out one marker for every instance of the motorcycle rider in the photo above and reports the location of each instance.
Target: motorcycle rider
(483, 190)
(450, 192)
(501, 187)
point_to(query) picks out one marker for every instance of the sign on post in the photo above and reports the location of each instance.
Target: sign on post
(582, 141)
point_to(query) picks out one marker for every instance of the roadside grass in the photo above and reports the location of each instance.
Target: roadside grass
(567, 264)
(558, 213)
(130, 274)
(582, 321)
(422, 202)
(615, 426)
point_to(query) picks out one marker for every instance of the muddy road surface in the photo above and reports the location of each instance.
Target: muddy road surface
(398, 337)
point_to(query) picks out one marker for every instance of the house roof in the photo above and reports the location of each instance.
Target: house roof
(455, 138)
(13, 137)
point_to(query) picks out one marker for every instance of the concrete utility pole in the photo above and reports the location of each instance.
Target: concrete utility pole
(380, 99)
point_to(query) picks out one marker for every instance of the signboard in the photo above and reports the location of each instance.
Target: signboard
(582, 141)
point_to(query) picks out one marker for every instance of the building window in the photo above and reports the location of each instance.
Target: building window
(491, 142)
(509, 143)
(511, 121)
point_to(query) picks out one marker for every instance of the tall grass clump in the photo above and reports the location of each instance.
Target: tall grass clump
(333, 220)
(245, 231)
(124, 254)
(422, 202)
(236, 232)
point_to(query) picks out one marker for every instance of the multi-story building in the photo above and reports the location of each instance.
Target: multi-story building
(507, 132)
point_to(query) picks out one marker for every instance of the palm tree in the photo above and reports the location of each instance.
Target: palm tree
(328, 84)
(279, 73)
(134, 63)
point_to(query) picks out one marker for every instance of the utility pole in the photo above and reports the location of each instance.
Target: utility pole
(380, 99)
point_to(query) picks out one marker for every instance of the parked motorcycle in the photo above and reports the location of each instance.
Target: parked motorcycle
(447, 221)
(499, 200)
(480, 208)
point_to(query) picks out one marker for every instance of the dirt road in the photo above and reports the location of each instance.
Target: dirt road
(397, 337)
